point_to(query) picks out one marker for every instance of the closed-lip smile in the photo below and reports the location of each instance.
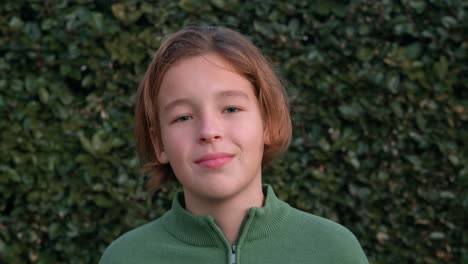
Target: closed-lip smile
(214, 160)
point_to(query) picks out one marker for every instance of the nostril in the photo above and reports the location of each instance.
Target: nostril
(208, 139)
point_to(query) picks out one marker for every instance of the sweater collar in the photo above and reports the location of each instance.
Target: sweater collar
(203, 230)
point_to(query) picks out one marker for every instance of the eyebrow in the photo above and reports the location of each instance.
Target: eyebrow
(220, 95)
(232, 93)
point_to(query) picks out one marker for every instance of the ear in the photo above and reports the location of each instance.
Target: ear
(158, 148)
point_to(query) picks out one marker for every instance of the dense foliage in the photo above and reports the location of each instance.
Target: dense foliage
(379, 103)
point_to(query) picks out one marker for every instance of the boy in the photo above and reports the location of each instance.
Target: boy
(210, 113)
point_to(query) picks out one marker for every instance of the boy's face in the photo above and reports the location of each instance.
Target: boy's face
(211, 128)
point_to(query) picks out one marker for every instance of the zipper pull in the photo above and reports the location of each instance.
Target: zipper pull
(233, 254)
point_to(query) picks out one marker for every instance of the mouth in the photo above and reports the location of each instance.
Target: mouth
(214, 160)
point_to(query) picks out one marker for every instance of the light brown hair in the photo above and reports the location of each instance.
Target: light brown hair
(246, 60)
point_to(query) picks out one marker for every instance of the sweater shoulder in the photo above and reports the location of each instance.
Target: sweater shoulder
(327, 236)
(128, 246)
(317, 223)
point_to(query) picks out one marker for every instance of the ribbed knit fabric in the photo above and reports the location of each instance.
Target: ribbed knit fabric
(274, 233)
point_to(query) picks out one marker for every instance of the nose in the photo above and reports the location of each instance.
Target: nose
(210, 130)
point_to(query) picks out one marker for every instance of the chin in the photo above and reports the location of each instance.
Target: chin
(220, 185)
(219, 192)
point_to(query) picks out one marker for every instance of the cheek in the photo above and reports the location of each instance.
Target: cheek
(251, 135)
(176, 141)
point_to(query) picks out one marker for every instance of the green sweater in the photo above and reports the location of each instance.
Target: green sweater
(274, 233)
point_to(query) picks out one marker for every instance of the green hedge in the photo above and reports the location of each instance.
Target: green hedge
(379, 104)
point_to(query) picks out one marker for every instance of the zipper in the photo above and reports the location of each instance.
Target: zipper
(233, 254)
(234, 246)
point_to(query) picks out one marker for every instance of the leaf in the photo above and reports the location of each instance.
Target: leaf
(98, 187)
(396, 108)
(30, 84)
(365, 54)
(323, 144)
(87, 81)
(10, 174)
(54, 230)
(351, 112)
(394, 83)
(420, 121)
(364, 30)
(339, 10)
(65, 69)
(448, 21)
(85, 142)
(263, 29)
(102, 201)
(441, 68)
(412, 51)
(97, 21)
(454, 159)
(218, 3)
(383, 176)
(353, 160)
(66, 96)
(293, 25)
(323, 7)
(195, 6)
(118, 10)
(418, 5)
(16, 85)
(32, 30)
(117, 142)
(44, 95)
(16, 23)
(96, 142)
(437, 236)
(447, 195)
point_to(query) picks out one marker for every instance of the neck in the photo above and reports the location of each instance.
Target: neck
(228, 213)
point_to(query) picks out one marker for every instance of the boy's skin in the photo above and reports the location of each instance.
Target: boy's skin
(213, 136)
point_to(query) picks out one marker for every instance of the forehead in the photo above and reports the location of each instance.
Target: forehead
(201, 77)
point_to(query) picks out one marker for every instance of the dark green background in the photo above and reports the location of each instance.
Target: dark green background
(379, 105)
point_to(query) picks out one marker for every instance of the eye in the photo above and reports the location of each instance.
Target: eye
(183, 119)
(231, 109)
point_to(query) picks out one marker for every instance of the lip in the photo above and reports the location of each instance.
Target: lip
(214, 160)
